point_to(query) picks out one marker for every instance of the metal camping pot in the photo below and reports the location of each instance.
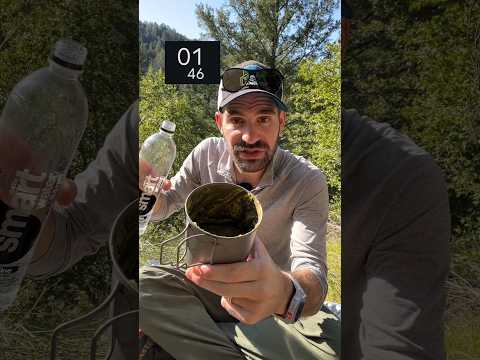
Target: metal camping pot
(221, 222)
(123, 247)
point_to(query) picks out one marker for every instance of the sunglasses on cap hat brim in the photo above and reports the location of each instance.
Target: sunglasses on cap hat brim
(269, 80)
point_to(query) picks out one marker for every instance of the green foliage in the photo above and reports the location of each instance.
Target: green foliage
(189, 108)
(313, 128)
(278, 33)
(446, 119)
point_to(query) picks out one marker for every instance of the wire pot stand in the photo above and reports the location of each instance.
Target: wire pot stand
(94, 340)
(123, 230)
(103, 327)
(99, 331)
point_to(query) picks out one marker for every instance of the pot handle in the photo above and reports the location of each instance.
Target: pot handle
(181, 257)
(165, 242)
(179, 246)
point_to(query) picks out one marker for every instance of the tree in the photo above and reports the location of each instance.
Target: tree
(152, 39)
(279, 33)
(313, 126)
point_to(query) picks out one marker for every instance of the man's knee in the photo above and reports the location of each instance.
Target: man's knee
(156, 283)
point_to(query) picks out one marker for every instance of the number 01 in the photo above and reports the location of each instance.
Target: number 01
(183, 63)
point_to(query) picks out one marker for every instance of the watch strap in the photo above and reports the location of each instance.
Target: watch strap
(296, 304)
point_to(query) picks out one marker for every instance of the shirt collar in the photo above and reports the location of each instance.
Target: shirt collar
(226, 168)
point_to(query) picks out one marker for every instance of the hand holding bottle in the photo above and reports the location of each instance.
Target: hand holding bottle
(155, 161)
(144, 169)
(41, 125)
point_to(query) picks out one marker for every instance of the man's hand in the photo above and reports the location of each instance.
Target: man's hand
(15, 154)
(65, 197)
(251, 291)
(67, 193)
(144, 169)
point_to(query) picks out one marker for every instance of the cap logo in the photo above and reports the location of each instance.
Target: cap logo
(248, 80)
(252, 80)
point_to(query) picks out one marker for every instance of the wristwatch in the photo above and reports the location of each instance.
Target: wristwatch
(295, 306)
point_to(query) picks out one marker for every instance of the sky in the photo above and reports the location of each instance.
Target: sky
(180, 14)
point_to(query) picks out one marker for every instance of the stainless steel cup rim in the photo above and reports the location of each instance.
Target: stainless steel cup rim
(257, 204)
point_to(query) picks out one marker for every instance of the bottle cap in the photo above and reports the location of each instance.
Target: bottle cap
(70, 52)
(168, 126)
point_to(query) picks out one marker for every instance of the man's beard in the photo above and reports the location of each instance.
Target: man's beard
(252, 165)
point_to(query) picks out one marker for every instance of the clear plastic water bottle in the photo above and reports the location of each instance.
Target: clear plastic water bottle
(157, 155)
(42, 122)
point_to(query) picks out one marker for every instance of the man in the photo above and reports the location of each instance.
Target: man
(250, 308)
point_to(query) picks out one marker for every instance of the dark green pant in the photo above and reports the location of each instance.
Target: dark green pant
(189, 323)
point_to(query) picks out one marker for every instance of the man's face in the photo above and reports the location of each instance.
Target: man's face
(251, 126)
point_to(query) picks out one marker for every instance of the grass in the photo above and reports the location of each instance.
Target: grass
(26, 327)
(334, 263)
(462, 323)
(462, 336)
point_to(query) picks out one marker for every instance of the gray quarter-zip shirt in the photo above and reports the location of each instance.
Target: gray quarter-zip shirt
(293, 194)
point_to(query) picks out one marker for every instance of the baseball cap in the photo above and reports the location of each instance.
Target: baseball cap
(225, 96)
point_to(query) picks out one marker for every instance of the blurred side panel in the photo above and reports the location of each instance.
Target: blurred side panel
(83, 257)
(410, 179)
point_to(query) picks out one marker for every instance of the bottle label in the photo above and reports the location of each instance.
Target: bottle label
(21, 219)
(31, 192)
(151, 186)
(18, 232)
(146, 204)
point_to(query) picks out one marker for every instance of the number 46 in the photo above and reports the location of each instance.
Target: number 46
(199, 75)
